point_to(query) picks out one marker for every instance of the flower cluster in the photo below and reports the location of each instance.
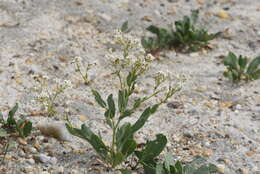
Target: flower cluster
(77, 61)
(133, 57)
(47, 94)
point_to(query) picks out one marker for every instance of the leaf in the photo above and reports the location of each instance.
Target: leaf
(253, 65)
(122, 135)
(129, 147)
(168, 160)
(206, 169)
(142, 119)
(93, 139)
(152, 149)
(10, 119)
(242, 61)
(117, 159)
(122, 100)
(154, 29)
(160, 169)
(111, 106)
(124, 27)
(99, 99)
(125, 171)
(256, 75)
(3, 133)
(231, 61)
(27, 128)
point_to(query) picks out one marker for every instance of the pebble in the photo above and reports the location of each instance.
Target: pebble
(223, 14)
(207, 153)
(221, 168)
(22, 141)
(31, 161)
(105, 17)
(56, 130)
(42, 158)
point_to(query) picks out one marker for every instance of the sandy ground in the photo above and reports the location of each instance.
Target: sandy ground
(216, 119)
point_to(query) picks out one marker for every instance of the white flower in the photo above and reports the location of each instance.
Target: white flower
(76, 60)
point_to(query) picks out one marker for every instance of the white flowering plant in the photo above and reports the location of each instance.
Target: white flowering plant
(47, 95)
(77, 61)
(128, 68)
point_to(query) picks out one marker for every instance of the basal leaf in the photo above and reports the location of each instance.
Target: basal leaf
(10, 119)
(152, 149)
(253, 65)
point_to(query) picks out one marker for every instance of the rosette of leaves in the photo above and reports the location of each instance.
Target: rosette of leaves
(22, 127)
(186, 36)
(167, 166)
(240, 68)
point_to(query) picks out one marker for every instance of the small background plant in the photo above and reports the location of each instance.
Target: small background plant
(48, 94)
(128, 68)
(186, 36)
(12, 127)
(239, 68)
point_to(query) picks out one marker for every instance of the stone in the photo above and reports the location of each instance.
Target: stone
(56, 130)
(31, 161)
(22, 141)
(207, 153)
(221, 168)
(223, 14)
(42, 158)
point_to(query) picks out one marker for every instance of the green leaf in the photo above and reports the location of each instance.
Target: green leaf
(124, 27)
(168, 160)
(111, 107)
(99, 99)
(242, 61)
(142, 119)
(128, 147)
(231, 61)
(117, 159)
(3, 133)
(10, 119)
(27, 128)
(125, 171)
(122, 135)
(178, 167)
(160, 169)
(93, 139)
(122, 100)
(206, 169)
(154, 29)
(255, 75)
(152, 149)
(253, 65)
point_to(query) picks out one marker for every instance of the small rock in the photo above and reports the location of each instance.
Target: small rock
(207, 153)
(175, 105)
(194, 54)
(53, 160)
(42, 158)
(31, 161)
(83, 118)
(221, 168)
(56, 130)
(21, 153)
(223, 14)
(22, 141)
(105, 17)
